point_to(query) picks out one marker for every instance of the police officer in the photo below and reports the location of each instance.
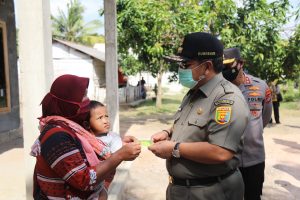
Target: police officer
(258, 97)
(201, 147)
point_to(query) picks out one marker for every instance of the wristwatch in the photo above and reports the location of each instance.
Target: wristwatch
(175, 152)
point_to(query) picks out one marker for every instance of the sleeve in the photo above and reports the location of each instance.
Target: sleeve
(62, 153)
(116, 142)
(267, 106)
(228, 122)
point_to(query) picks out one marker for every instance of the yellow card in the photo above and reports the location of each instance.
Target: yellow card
(146, 143)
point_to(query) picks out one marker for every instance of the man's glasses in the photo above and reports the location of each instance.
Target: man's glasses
(186, 65)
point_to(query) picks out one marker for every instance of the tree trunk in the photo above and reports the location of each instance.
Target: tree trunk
(159, 88)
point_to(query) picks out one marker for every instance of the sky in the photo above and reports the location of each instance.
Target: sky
(90, 13)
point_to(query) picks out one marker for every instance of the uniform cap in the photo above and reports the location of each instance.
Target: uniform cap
(231, 54)
(198, 46)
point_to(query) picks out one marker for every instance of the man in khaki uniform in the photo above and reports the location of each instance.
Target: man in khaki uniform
(201, 147)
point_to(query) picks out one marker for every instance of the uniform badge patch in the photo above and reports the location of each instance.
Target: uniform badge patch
(223, 114)
(254, 88)
(254, 94)
(223, 102)
(268, 95)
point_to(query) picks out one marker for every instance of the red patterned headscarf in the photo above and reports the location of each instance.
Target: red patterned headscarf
(64, 105)
(65, 98)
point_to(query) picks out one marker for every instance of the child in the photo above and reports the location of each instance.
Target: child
(99, 125)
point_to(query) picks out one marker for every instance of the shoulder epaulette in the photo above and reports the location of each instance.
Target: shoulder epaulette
(227, 87)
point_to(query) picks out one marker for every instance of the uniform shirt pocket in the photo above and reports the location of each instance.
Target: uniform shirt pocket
(196, 121)
(196, 129)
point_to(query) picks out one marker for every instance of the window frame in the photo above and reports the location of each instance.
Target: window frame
(6, 68)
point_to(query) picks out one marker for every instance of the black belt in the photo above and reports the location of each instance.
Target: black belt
(200, 181)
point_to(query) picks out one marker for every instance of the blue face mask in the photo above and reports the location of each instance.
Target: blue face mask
(186, 78)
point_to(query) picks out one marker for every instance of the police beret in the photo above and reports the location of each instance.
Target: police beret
(231, 54)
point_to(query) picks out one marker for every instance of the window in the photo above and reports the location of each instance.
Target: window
(4, 75)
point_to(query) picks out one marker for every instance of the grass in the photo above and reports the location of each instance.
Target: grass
(170, 104)
(290, 105)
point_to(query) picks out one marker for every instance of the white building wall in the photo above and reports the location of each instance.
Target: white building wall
(69, 61)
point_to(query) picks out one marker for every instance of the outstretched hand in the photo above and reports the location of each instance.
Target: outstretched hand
(129, 139)
(159, 136)
(131, 148)
(162, 149)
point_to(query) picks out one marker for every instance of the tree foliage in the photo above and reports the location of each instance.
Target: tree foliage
(153, 28)
(71, 27)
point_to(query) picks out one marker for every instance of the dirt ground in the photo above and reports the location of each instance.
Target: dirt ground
(148, 177)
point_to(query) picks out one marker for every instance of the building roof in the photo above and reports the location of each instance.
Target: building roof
(84, 49)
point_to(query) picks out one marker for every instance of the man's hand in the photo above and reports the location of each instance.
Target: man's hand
(159, 136)
(162, 149)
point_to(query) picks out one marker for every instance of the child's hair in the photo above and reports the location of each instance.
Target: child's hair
(94, 104)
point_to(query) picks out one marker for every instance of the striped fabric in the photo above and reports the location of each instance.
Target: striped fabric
(62, 170)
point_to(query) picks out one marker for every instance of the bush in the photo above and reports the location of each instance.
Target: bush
(289, 98)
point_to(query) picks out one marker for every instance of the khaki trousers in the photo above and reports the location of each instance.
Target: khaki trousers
(230, 188)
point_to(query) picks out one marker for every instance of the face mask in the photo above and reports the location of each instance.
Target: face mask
(186, 78)
(230, 74)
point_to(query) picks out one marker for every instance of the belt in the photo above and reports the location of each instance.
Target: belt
(200, 181)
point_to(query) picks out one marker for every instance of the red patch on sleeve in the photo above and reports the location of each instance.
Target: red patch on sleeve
(268, 95)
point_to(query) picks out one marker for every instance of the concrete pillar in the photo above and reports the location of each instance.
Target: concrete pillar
(111, 65)
(36, 71)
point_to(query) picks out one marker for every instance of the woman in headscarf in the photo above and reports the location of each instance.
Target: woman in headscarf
(70, 162)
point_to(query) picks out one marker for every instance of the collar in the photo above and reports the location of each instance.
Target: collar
(247, 79)
(208, 87)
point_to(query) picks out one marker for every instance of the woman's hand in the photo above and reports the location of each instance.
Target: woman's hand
(129, 139)
(130, 150)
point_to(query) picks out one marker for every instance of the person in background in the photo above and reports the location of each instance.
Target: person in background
(68, 156)
(202, 145)
(276, 98)
(98, 124)
(122, 79)
(258, 97)
(142, 86)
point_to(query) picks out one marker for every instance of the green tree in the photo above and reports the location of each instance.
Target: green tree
(152, 29)
(256, 30)
(71, 27)
(291, 62)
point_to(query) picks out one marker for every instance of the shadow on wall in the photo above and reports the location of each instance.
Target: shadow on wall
(292, 126)
(291, 144)
(270, 193)
(293, 190)
(291, 170)
(16, 143)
